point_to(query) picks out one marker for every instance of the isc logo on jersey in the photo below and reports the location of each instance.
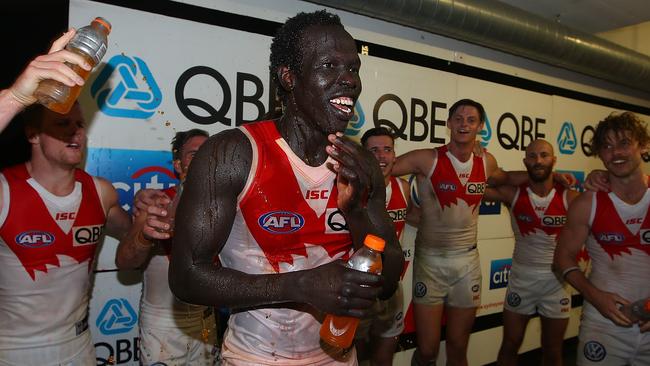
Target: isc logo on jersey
(281, 222)
(86, 235)
(475, 188)
(612, 238)
(553, 221)
(397, 215)
(35, 239)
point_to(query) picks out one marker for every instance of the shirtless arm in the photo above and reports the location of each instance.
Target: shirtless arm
(572, 237)
(204, 218)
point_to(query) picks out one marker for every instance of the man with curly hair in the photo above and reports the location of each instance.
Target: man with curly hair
(615, 227)
(269, 207)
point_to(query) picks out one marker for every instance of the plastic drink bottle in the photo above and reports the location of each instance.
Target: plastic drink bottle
(90, 42)
(338, 331)
(638, 310)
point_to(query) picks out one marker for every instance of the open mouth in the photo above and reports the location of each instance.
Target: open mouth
(343, 104)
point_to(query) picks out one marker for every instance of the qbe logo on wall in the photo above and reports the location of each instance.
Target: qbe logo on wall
(566, 139)
(357, 121)
(499, 273)
(126, 88)
(486, 133)
(117, 316)
(132, 170)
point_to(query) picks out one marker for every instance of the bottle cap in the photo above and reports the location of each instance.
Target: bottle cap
(103, 22)
(374, 242)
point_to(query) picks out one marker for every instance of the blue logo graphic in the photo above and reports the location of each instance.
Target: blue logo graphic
(489, 208)
(128, 98)
(594, 351)
(356, 122)
(413, 184)
(566, 139)
(281, 222)
(499, 273)
(132, 170)
(486, 133)
(116, 317)
(34, 239)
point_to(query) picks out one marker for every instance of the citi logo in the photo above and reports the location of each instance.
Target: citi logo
(611, 237)
(281, 222)
(34, 239)
(499, 273)
(447, 187)
(133, 93)
(566, 139)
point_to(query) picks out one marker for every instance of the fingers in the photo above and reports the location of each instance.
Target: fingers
(644, 326)
(62, 41)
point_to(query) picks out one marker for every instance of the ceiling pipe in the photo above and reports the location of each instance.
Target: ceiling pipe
(499, 26)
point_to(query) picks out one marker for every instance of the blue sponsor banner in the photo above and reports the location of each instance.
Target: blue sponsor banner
(132, 170)
(499, 272)
(489, 208)
(580, 176)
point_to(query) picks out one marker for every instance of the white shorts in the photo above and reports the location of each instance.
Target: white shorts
(530, 291)
(179, 346)
(80, 351)
(232, 356)
(452, 279)
(612, 345)
(387, 319)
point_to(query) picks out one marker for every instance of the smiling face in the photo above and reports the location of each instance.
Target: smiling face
(382, 147)
(60, 139)
(465, 123)
(328, 84)
(621, 153)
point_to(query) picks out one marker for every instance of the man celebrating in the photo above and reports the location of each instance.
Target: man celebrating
(446, 270)
(387, 321)
(262, 198)
(538, 212)
(171, 332)
(615, 227)
(52, 216)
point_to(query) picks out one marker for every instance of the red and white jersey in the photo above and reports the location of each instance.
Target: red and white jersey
(158, 305)
(396, 205)
(287, 220)
(619, 247)
(450, 200)
(46, 250)
(536, 223)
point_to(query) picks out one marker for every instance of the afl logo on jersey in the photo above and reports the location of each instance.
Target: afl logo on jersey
(281, 222)
(446, 187)
(524, 218)
(34, 239)
(612, 238)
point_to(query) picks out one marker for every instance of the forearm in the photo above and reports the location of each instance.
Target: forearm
(9, 108)
(133, 250)
(213, 285)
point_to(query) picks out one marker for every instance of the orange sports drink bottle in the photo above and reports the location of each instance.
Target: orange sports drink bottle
(90, 42)
(338, 331)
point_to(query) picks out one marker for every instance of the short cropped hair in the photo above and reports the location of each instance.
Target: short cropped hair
(468, 102)
(182, 137)
(286, 46)
(376, 131)
(619, 123)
